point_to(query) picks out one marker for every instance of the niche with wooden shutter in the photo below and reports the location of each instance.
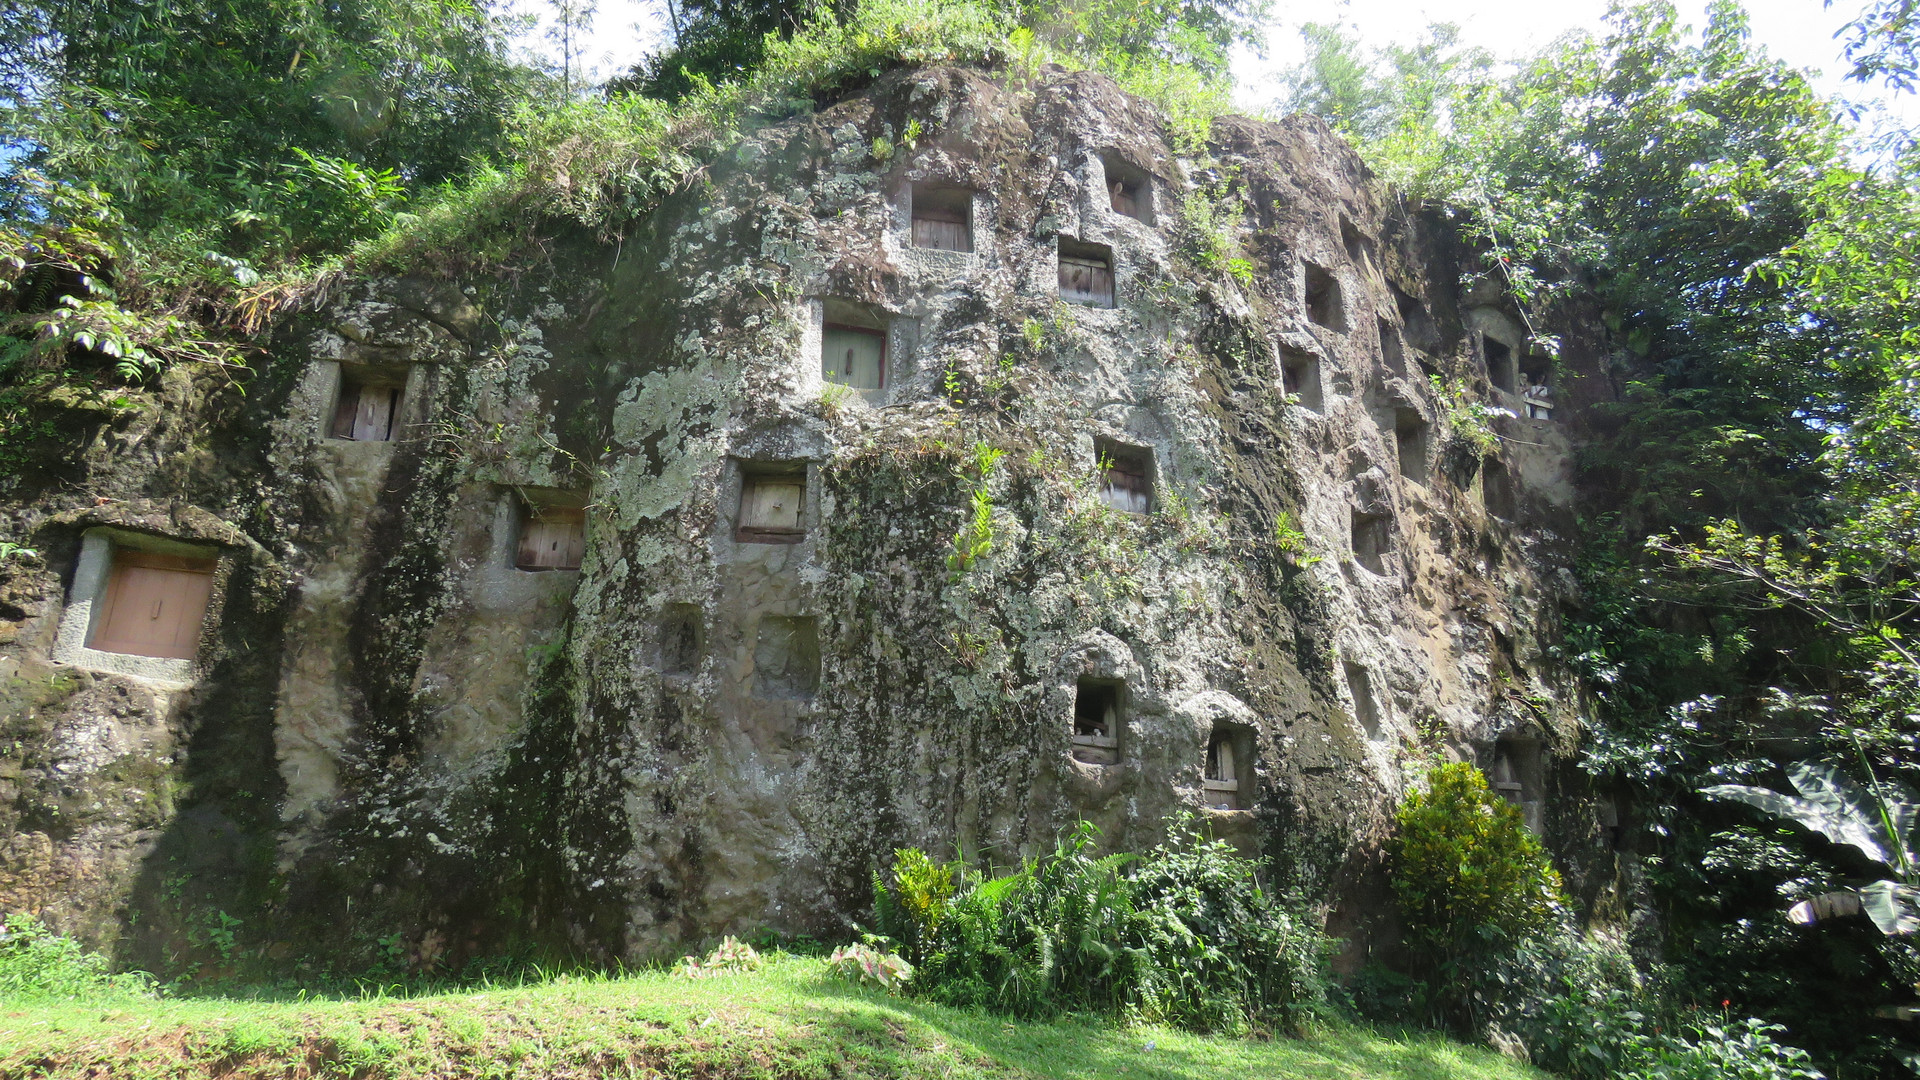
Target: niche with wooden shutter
(551, 537)
(853, 355)
(772, 507)
(368, 409)
(1096, 721)
(1127, 481)
(1086, 273)
(154, 605)
(942, 217)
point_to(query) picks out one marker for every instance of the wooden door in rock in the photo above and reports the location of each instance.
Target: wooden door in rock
(154, 605)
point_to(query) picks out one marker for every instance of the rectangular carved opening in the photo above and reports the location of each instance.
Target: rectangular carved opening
(1410, 439)
(1370, 541)
(1496, 489)
(1419, 328)
(368, 406)
(786, 657)
(1499, 363)
(853, 355)
(551, 537)
(772, 506)
(1086, 273)
(1227, 782)
(1323, 298)
(1127, 189)
(1096, 721)
(942, 217)
(1359, 248)
(680, 640)
(1126, 482)
(154, 605)
(1300, 377)
(1366, 708)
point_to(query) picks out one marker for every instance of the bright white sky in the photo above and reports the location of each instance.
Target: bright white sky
(1799, 32)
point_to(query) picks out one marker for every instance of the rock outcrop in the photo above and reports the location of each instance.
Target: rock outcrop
(586, 607)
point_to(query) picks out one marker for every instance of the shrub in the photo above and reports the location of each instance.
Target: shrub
(1466, 872)
(37, 964)
(1742, 1050)
(1183, 934)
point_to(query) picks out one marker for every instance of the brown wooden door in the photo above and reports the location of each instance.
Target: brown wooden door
(946, 230)
(770, 509)
(552, 538)
(853, 355)
(1086, 281)
(154, 605)
(366, 413)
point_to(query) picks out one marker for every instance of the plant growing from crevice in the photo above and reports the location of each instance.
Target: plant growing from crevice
(975, 538)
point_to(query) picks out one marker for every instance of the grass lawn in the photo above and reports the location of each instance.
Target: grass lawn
(791, 1019)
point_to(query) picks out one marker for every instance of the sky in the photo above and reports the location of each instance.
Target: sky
(1799, 32)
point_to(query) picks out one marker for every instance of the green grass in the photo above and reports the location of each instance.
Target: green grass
(791, 1019)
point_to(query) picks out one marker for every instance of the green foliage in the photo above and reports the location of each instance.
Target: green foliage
(1469, 418)
(1182, 933)
(864, 963)
(1466, 869)
(1291, 541)
(38, 965)
(731, 957)
(975, 538)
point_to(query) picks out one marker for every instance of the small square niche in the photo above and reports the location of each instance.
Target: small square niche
(942, 217)
(1086, 273)
(551, 537)
(1096, 721)
(1300, 377)
(1410, 440)
(1499, 362)
(853, 346)
(772, 504)
(368, 406)
(1129, 189)
(1321, 291)
(138, 605)
(1370, 541)
(1359, 248)
(1126, 480)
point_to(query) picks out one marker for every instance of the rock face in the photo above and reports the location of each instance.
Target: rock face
(614, 624)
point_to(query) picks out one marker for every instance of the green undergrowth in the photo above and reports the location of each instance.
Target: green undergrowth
(789, 1019)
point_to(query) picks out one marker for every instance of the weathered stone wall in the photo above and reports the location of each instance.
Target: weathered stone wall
(398, 746)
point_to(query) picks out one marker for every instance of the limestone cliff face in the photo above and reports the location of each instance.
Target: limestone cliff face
(1061, 561)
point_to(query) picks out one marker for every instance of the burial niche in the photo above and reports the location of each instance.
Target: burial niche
(1086, 273)
(1322, 293)
(1370, 541)
(772, 505)
(1366, 708)
(1517, 777)
(853, 347)
(1536, 382)
(153, 605)
(1096, 721)
(551, 537)
(1126, 481)
(1227, 782)
(1410, 441)
(1499, 362)
(942, 217)
(1300, 377)
(368, 406)
(1128, 190)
